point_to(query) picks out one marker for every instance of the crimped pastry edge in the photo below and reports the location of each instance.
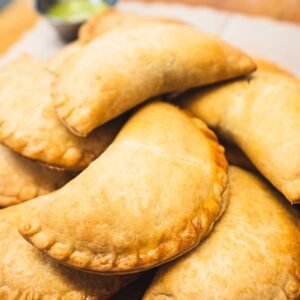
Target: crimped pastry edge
(112, 264)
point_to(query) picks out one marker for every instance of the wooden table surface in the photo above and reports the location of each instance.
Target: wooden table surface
(20, 16)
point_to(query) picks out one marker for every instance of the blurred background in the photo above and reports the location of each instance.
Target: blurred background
(18, 16)
(279, 9)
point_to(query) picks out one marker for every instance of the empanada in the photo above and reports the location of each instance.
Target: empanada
(29, 125)
(127, 66)
(149, 198)
(252, 253)
(26, 273)
(111, 19)
(260, 114)
(22, 179)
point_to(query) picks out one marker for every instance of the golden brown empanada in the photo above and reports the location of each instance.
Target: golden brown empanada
(26, 273)
(252, 253)
(29, 125)
(129, 65)
(111, 19)
(149, 198)
(260, 114)
(22, 179)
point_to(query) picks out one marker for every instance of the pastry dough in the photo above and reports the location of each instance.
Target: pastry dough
(152, 196)
(26, 273)
(113, 18)
(129, 65)
(252, 253)
(260, 114)
(22, 179)
(29, 125)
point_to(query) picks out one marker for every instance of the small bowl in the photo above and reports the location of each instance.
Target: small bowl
(68, 30)
(3, 3)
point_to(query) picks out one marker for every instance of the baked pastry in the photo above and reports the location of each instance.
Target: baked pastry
(252, 253)
(22, 179)
(149, 63)
(113, 18)
(99, 24)
(261, 115)
(26, 273)
(162, 164)
(29, 125)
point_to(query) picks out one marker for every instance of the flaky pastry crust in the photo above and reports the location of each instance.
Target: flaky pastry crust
(261, 115)
(112, 19)
(152, 196)
(127, 66)
(26, 273)
(28, 121)
(22, 179)
(252, 253)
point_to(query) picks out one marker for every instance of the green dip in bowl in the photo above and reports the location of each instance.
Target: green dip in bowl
(76, 10)
(68, 15)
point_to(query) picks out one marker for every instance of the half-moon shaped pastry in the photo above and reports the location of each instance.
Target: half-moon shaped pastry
(149, 198)
(127, 66)
(112, 18)
(260, 114)
(29, 125)
(26, 273)
(22, 179)
(252, 253)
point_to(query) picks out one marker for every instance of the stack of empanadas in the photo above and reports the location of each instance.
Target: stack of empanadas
(155, 206)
